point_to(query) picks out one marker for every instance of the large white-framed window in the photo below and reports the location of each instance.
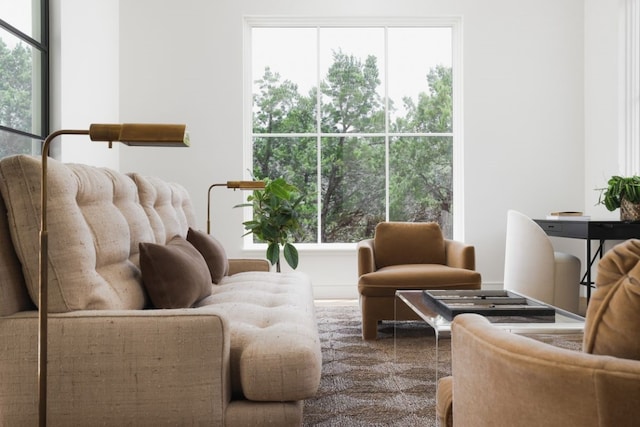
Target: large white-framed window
(363, 115)
(24, 76)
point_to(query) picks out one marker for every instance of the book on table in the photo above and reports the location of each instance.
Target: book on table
(568, 216)
(489, 303)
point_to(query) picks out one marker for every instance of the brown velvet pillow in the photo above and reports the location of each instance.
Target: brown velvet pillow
(398, 243)
(213, 253)
(613, 314)
(175, 275)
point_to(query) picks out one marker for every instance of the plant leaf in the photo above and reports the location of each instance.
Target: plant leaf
(291, 255)
(273, 253)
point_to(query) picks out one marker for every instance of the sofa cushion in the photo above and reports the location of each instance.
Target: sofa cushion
(94, 225)
(613, 314)
(275, 348)
(212, 251)
(175, 275)
(399, 243)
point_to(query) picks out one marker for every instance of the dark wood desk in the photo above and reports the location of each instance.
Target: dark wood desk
(590, 230)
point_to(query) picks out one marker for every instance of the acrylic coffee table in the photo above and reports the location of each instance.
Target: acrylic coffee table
(565, 322)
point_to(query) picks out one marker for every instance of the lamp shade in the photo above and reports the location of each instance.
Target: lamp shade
(245, 185)
(138, 134)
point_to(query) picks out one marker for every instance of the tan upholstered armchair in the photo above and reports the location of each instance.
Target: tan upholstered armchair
(404, 255)
(502, 379)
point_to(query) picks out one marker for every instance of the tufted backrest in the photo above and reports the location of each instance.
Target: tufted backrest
(95, 224)
(167, 206)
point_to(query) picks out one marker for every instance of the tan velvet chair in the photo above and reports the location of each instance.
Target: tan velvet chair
(404, 255)
(503, 379)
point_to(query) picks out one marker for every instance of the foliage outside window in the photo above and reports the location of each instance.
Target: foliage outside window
(360, 119)
(23, 76)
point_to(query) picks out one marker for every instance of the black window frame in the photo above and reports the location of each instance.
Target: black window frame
(43, 48)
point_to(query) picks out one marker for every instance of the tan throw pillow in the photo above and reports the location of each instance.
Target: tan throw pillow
(613, 314)
(212, 251)
(398, 243)
(175, 275)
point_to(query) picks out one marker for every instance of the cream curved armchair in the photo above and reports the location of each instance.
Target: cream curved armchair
(533, 268)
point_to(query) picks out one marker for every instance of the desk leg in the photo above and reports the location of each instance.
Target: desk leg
(586, 278)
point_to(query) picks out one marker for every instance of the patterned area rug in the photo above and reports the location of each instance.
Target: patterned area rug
(387, 382)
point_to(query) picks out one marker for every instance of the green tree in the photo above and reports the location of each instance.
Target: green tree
(280, 108)
(15, 97)
(421, 168)
(352, 169)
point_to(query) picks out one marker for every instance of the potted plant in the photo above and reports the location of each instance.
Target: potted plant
(624, 193)
(275, 219)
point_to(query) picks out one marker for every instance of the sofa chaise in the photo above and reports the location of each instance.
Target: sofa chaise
(136, 337)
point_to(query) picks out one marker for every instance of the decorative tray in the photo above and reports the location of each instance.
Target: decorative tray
(488, 303)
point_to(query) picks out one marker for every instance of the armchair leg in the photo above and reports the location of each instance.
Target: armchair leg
(369, 329)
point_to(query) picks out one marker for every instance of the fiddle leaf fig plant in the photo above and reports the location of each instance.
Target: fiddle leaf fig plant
(619, 188)
(275, 219)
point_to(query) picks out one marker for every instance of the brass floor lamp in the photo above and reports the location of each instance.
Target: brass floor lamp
(236, 185)
(135, 134)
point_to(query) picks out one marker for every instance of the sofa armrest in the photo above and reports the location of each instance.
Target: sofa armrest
(460, 255)
(366, 259)
(239, 265)
(168, 367)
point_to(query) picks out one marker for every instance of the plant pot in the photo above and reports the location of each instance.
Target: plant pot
(629, 212)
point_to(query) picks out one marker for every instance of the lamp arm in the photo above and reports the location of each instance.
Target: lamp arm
(236, 185)
(209, 205)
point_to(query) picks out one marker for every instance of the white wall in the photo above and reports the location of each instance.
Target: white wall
(603, 79)
(539, 107)
(84, 75)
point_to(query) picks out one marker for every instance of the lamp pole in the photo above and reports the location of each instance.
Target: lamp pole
(43, 291)
(162, 135)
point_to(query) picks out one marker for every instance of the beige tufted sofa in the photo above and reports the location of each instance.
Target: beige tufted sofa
(247, 354)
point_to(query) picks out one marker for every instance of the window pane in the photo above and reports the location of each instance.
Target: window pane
(20, 85)
(23, 15)
(284, 80)
(11, 143)
(353, 188)
(419, 74)
(421, 180)
(351, 68)
(295, 160)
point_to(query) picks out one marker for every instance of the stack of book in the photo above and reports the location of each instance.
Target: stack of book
(569, 216)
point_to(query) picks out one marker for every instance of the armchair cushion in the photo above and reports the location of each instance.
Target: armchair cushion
(175, 275)
(613, 313)
(398, 243)
(212, 251)
(387, 280)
